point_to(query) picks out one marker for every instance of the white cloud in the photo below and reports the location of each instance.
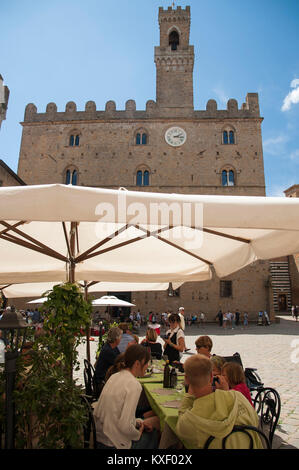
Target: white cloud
(292, 97)
(276, 145)
(221, 95)
(295, 155)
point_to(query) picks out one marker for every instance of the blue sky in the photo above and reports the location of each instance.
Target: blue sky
(74, 50)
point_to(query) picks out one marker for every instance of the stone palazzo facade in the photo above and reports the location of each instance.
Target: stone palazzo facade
(167, 147)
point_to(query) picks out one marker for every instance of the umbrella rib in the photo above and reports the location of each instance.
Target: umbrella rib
(48, 252)
(15, 225)
(66, 239)
(154, 234)
(185, 251)
(85, 256)
(119, 245)
(207, 230)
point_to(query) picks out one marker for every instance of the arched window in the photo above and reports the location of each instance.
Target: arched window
(231, 178)
(142, 178)
(146, 178)
(141, 138)
(174, 40)
(71, 177)
(228, 137)
(74, 177)
(228, 178)
(68, 177)
(224, 178)
(231, 137)
(74, 140)
(139, 178)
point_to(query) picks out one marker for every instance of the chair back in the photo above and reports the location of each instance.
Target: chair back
(268, 405)
(253, 380)
(234, 358)
(89, 427)
(88, 374)
(245, 430)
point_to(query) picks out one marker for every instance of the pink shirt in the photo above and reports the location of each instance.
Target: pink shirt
(244, 390)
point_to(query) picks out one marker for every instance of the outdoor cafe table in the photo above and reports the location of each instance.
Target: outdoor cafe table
(168, 416)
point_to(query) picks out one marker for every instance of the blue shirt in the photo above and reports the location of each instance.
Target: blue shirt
(125, 340)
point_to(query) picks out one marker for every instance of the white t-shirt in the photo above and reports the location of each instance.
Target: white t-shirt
(115, 410)
(180, 334)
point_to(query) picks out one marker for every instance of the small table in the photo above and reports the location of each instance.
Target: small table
(168, 416)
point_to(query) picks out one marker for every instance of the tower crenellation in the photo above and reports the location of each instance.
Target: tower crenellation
(250, 108)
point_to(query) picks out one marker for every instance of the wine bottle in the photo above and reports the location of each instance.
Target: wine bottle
(173, 378)
(166, 376)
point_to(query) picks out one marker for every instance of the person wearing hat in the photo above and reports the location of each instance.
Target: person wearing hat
(182, 318)
(181, 314)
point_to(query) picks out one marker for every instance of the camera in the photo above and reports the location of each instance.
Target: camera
(215, 379)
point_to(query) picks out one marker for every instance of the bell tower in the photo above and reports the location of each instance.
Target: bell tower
(174, 59)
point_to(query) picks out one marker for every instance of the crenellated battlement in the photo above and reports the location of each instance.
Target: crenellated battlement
(249, 109)
(174, 14)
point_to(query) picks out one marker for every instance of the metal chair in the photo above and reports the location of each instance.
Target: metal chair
(90, 387)
(268, 405)
(89, 428)
(234, 358)
(245, 430)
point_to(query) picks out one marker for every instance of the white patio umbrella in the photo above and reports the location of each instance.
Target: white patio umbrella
(38, 301)
(56, 232)
(34, 289)
(111, 301)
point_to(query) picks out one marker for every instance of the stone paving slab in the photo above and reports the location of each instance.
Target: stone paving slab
(272, 350)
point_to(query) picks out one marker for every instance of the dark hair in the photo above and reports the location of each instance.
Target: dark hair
(118, 365)
(124, 327)
(174, 317)
(204, 342)
(134, 353)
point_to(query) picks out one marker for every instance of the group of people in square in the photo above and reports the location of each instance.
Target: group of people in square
(217, 397)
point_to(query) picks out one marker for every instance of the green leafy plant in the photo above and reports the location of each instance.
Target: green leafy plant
(49, 410)
(66, 319)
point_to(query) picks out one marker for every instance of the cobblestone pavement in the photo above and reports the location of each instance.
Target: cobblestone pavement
(273, 350)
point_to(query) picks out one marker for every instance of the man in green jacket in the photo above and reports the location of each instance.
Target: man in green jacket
(207, 412)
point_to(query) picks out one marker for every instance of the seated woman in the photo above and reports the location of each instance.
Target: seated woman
(235, 378)
(108, 354)
(150, 341)
(217, 363)
(174, 344)
(116, 424)
(204, 346)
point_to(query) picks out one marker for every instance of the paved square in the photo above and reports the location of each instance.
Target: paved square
(273, 350)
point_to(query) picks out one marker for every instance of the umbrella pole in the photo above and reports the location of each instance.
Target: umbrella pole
(87, 329)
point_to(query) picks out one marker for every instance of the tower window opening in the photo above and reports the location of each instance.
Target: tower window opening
(174, 40)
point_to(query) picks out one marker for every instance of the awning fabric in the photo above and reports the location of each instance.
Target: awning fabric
(132, 236)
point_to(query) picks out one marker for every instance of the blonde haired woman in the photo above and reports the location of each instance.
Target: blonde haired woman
(150, 341)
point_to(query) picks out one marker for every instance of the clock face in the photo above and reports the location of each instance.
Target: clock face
(175, 136)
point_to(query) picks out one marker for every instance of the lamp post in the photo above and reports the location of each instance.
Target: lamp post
(12, 326)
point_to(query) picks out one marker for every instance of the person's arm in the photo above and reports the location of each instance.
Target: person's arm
(127, 421)
(187, 403)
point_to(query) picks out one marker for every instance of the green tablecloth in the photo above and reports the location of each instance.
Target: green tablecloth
(165, 414)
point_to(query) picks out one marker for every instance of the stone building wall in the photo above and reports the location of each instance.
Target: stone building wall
(107, 155)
